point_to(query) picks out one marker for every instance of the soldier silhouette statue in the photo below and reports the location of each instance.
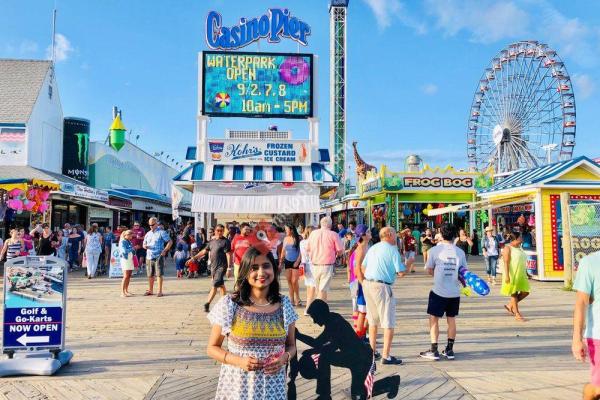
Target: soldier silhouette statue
(339, 346)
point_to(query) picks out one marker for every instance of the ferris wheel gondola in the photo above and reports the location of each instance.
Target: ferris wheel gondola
(523, 104)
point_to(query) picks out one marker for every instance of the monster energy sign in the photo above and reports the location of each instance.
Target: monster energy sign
(76, 149)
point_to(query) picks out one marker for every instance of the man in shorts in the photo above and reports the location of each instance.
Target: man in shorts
(323, 247)
(443, 263)
(382, 265)
(138, 240)
(239, 245)
(587, 311)
(157, 244)
(219, 254)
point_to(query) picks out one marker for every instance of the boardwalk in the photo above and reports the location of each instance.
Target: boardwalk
(153, 348)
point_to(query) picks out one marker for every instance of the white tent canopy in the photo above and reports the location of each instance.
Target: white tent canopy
(264, 198)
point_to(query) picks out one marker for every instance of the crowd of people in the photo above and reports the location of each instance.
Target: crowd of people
(373, 259)
(257, 319)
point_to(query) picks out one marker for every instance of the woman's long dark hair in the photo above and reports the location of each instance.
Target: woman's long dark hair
(514, 235)
(241, 294)
(294, 235)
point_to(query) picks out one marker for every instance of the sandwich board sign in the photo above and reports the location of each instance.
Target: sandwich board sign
(34, 304)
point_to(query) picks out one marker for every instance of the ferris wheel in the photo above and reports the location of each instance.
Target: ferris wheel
(523, 111)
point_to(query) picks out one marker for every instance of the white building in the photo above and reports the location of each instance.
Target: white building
(31, 116)
(256, 175)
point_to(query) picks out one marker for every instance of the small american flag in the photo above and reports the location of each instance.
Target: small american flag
(369, 380)
(315, 358)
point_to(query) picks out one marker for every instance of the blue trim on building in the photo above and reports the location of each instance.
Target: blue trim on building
(277, 173)
(142, 194)
(317, 172)
(190, 154)
(238, 172)
(218, 173)
(12, 125)
(8, 181)
(324, 155)
(574, 183)
(296, 173)
(198, 171)
(183, 172)
(116, 193)
(257, 172)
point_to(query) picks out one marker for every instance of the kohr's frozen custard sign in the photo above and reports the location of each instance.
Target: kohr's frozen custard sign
(273, 25)
(248, 152)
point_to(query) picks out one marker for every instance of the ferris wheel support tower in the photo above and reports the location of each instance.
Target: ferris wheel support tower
(337, 90)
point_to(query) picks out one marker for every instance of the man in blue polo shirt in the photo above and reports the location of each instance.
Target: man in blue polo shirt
(382, 265)
(157, 244)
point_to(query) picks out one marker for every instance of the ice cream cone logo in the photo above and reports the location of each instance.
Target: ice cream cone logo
(303, 153)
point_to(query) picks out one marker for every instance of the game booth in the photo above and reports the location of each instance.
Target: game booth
(529, 200)
(345, 210)
(405, 199)
(24, 202)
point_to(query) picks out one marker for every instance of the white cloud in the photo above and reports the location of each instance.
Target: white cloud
(386, 10)
(28, 47)
(485, 20)
(383, 10)
(429, 89)
(24, 48)
(584, 86)
(62, 50)
(488, 21)
(570, 36)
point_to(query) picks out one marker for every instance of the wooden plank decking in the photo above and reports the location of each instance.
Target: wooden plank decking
(154, 348)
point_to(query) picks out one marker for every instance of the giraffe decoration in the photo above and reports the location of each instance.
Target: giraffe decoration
(361, 166)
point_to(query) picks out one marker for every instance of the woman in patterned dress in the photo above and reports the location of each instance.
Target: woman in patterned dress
(259, 324)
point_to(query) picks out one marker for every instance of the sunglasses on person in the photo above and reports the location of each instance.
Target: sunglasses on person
(152, 224)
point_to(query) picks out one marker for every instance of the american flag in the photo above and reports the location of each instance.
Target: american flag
(369, 380)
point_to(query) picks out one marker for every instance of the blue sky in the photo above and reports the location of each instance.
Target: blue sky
(413, 66)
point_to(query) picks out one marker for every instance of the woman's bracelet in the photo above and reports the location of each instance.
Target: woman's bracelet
(289, 357)
(225, 357)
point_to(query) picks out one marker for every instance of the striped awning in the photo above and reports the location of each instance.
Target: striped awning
(200, 172)
(24, 184)
(538, 175)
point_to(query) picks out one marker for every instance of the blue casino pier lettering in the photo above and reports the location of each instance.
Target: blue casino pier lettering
(275, 24)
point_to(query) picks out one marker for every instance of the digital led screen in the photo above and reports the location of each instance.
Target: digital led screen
(257, 85)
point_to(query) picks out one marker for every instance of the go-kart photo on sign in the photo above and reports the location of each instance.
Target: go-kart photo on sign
(33, 303)
(260, 85)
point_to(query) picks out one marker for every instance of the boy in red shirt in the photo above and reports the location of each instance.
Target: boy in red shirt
(239, 245)
(410, 248)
